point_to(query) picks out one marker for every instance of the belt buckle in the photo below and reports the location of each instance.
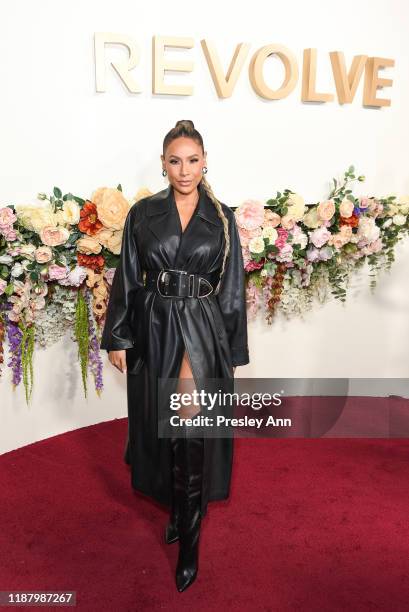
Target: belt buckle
(160, 278)
(191, 276)
(209, 284)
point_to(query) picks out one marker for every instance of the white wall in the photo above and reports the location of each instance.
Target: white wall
(56, 130)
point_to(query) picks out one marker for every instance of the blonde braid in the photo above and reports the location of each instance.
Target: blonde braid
(222, 216)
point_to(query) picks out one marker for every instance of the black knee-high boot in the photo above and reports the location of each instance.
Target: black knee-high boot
(187, 486)
(172, 528)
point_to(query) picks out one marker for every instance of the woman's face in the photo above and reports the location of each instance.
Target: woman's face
(184, 162)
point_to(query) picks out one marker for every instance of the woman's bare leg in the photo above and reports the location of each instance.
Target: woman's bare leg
(186, 384)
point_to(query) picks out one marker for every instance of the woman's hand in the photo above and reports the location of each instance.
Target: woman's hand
(118, 359)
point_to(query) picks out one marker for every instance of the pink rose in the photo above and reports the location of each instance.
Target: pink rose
(56, 272)
(250, 214)
(286, 253)
(326, 210)
(10, 234)
(43, 254)
(320, 236)
(374, 247)
(246, 256)
(247, 235)
(337, 241)
(375, 208)
(3, 285)
(7, 217)
(271, 219)
(346, 208)
(313, 254)
(282, 237)
(254, 265)
(54, 236)
(346, 232)
(287, 222)
(363, 202)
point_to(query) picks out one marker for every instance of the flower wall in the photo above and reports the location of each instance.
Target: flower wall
(58, 257)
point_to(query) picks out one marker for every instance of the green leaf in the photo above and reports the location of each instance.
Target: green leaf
(111, 260)
(79, 200)
(57, 192)
(119, 187)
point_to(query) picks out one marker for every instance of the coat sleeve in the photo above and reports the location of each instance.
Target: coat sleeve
(232, 297)
(117, 333)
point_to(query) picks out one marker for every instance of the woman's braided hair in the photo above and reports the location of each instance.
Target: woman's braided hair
(186, 128)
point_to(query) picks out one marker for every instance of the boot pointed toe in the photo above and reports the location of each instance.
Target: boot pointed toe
(185, 577)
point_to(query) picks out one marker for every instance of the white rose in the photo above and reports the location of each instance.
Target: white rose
(392, 210)
(256, 245)
(58, 218)
(296, 206)
(368, 229)
(17, 269)
(311, 219)
(70, 212)
(25, 263)
(28, 250)
(35, 216)
(270, 233)
(301, 239)
(346, 208)
(399, 219)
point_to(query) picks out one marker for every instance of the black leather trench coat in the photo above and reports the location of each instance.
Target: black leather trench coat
(155, 330)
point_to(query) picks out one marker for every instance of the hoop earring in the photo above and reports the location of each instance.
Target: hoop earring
(164, 172)
(204, 170)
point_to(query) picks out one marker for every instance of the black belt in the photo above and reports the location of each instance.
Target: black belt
(179, 283)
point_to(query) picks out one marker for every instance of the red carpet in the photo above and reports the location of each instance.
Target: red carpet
(319, 524)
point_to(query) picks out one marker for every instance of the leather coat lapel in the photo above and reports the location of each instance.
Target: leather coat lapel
(164, 223)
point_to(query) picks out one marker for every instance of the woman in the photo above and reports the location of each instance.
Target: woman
(177, 310)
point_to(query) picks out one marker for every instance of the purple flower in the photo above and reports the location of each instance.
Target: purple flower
(94, 352)
(14, 336)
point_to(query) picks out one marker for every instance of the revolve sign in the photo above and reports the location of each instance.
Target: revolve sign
(346, 79)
